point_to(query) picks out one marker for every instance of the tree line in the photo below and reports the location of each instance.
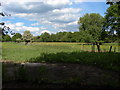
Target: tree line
(81, 36)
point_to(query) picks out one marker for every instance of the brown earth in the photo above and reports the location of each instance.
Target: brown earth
(59, 75)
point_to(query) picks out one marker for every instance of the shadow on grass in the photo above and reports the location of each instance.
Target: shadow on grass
(103, 60)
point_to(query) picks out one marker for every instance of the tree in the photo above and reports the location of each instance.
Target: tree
(36, 38)
(27, 37)
(45, 37)
(91, 24)
(16, 36)
(53, 38)
(112, 18)
(7, 38)
(18, 40)
(4, 30)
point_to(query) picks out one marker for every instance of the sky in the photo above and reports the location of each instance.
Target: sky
(52, 16)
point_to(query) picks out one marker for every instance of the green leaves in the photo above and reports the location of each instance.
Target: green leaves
(112, 22)
(16, 36)
(92, 24)
(6, 38)
(27, 35)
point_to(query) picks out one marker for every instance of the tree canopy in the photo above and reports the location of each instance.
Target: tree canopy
(27, 35)
(112, 19)
(16, 36)
(4, 30)
(6, 38)
(91, 24)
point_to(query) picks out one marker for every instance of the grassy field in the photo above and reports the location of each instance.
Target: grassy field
(21, 52)
(62, 53)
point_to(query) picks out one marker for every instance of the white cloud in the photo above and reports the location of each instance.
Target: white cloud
(19, 24)
(42, 28)
(77, 1)
(66, 10)
(54, 2)
(20, 27)
(45, 31)
(58, 2)
(51, 13)
(34, 24)
(73, 23)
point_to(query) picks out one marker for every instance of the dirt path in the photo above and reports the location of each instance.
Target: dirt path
(62, 74)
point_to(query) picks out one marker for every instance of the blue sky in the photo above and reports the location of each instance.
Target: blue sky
(52, 16)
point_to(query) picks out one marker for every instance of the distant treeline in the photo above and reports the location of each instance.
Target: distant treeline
(61, 37)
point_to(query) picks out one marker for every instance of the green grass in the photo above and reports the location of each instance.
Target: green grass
(103, 60)
(62, 52)
(21, 52)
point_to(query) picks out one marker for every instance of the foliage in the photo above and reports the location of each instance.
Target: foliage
(45, 37)
(27, 35)
(102, 60)
(4, 30)
(112, 19)
(6, 38)
(16, 36)
(92, 25)
(36, 38)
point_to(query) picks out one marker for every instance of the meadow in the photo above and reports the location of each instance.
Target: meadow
(62, 53)
(21, 52)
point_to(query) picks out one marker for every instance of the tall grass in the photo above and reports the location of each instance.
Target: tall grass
(103, 60)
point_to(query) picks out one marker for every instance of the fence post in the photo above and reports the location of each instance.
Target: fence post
(110, 49)
(98, 46)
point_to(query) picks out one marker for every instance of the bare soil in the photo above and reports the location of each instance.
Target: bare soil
(60, 75)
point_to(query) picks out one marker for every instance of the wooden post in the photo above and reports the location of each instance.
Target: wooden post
(114, 49)
(98, 46)
(110, 49)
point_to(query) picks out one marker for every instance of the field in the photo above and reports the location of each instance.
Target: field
(21, 52)
(62, 53)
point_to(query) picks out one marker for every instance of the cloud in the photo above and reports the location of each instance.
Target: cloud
(20, 27)
(66, 10)
(29, 7)
(51, 14)
(34, 24)
(45, 31)
(54, 2)
(19, 24)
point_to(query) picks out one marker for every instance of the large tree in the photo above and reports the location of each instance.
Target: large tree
(45, 37)
(27, 36)
(16, 36)
(6, 38)
(92, 25)
(112, 18)
(4, 30)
